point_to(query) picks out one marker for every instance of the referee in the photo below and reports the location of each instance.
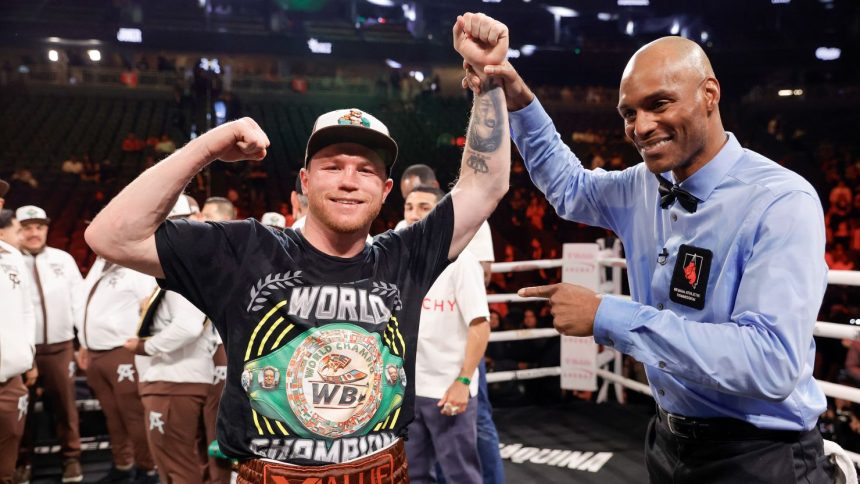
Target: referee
(725, 258)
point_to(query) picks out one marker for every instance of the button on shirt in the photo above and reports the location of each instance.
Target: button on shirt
(109, 315)
(749, 353)
(59, 280)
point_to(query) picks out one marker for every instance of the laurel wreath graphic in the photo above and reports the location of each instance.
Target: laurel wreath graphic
(385, 289)
(272, 281)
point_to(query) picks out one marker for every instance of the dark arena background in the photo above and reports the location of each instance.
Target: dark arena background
(93, 92)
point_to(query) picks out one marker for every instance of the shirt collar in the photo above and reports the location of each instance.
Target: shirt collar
(703, 182)
(8, 247)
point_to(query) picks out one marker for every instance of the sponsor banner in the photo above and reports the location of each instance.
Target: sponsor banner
(579, 355)
(578, 363)
(571, 459)
(579, 265)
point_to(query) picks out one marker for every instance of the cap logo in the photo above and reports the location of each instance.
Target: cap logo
(32, 213)
(354, 117)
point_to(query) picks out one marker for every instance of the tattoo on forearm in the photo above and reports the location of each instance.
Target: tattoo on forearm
(485, 130)
(477, 162)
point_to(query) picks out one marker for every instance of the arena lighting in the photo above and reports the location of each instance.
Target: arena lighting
(604, 16)
(382, 3)
(790, 92)
(417, 75)
(95, 55)
(393, 64)
(318, 47)
(210, 65)
(633, 3)
(409, 12)
(676, 27)
(828, 53)
(779, 2)
(513, 54)
(54, 40)
(528, 50)
(53, 55)
(704, 36)
(129, 35)
(628, 29)
(492, 1)
(562, 11)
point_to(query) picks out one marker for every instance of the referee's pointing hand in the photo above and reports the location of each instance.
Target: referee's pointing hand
(573, 307)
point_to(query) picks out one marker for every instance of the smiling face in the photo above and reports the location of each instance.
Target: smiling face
(346, 184)
(666, 99)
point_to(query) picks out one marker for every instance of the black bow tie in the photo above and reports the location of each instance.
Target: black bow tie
(669, 193)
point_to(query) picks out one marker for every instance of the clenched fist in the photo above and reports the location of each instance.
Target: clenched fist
(481, 40)
(238, 140)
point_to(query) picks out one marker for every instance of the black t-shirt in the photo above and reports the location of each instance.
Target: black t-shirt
(320, 349)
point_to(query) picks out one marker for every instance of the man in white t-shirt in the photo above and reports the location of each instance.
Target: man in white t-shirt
(481, 246)
(452, 338)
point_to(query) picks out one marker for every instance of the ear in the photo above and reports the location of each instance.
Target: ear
(712, 94)
(386, 189)
(303, 174)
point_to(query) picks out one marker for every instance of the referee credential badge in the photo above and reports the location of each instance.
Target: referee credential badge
(690, 277)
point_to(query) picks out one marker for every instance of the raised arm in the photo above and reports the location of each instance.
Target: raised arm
(124, 232)
(485, 167)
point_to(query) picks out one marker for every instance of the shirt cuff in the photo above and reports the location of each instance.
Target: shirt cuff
(144, 347)
(613, 320)
(529, 118)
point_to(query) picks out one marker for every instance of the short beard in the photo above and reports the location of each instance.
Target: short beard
(36, 251)
(353, 225)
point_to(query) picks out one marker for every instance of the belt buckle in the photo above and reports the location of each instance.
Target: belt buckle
(673, 421)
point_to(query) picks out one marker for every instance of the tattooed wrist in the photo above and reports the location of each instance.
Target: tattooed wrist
(490, 83)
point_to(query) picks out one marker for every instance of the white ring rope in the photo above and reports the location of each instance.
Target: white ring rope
(841, 278)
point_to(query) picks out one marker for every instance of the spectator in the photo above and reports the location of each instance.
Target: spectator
(25, 176)
(165, 145)
(128, 78)
(73, 165)
(839, 258)
(132, 143)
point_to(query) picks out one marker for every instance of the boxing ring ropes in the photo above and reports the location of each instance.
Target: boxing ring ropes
(611, 357)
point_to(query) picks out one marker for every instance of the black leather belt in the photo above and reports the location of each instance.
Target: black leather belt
(719, 428)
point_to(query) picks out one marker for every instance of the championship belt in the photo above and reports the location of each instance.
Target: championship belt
(331, 381)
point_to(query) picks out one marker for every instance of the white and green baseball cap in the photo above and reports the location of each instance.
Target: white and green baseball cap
(352, 126)
(32, 213)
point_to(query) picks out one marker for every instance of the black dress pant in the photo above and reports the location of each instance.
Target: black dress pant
(799, 458)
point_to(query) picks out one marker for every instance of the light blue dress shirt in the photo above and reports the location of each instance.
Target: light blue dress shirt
(749, 353)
